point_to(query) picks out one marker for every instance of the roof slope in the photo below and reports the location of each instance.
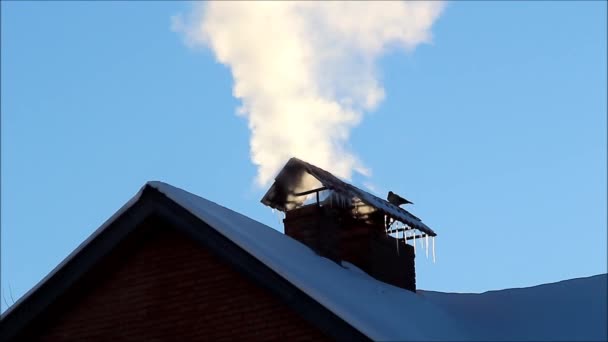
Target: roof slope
(379, 310)
(569, 310)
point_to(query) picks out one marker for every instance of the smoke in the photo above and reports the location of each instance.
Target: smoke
(305, 71)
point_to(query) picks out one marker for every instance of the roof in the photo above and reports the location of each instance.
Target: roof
(377, 310)
(380, 311)
(290, 180)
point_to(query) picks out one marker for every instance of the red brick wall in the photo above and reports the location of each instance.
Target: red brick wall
(163, 286)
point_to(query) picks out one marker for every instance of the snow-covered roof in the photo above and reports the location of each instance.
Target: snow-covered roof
(289, 180)
(378, 310)
(568, 310)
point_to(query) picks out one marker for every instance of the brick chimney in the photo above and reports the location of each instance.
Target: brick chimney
(335, 234)
(344, 223)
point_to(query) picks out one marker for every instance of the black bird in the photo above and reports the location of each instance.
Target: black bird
(396, 199)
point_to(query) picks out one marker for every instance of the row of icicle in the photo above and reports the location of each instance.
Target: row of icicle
(423, 244)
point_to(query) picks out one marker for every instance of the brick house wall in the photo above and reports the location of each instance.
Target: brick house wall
(161, 286)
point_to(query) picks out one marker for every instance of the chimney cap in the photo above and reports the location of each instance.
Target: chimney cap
(298, 177)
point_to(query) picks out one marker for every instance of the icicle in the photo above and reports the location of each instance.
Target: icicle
(397, 241)
(414, 240)
(385, 224)
(433, 241)
(277, 215)
(405, 237)
(421, 241)
(427, 245)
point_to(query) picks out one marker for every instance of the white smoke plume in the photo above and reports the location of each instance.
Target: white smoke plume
(305, 71)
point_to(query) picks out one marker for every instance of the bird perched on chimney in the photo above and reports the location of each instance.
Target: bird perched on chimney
(396, 199)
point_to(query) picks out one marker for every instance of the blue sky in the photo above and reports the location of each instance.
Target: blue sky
(496, 130)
